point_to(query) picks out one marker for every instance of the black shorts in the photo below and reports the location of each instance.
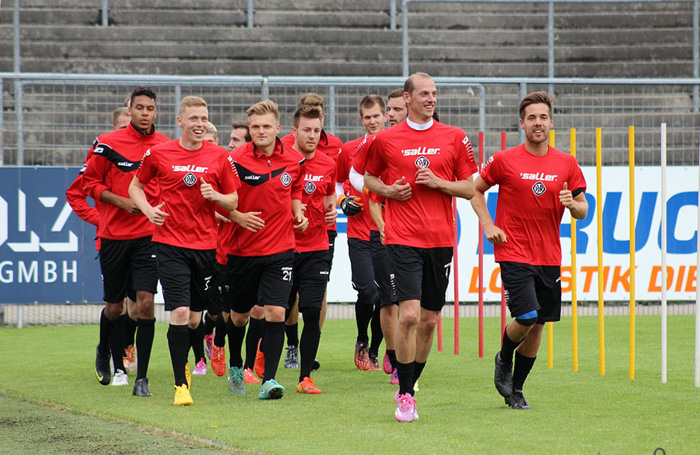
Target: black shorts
(310, 279)
(128, 265)
(382, 270)
(218, 290)
(421, 274)
(532, 288)
(332, 235)
(185, 275)
(260, 280)
(362, 272)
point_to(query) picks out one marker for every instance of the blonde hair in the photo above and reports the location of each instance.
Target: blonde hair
(211, 129)
(190, 101)
(263, 108)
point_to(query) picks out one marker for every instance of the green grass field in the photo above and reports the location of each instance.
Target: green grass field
(460, 410)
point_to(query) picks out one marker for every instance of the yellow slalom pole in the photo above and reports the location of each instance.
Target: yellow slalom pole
(632, 252)
(574, 294)
(599, 216)
(550, 326)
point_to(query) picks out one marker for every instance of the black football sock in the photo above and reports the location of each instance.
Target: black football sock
(392, 358)
(274, 341)
(144, 343)
(310, 338)
(405, 371)
(179, 345)
(221, 331)
(507, 348)
(522, 368)
(209, 323)
(292, 332)
(129, 331)
(235, 343)
(197, 341)
(417, 370)
(116, 343)
(106, 328)
(255, 327)
(363, 316)
(377, 334)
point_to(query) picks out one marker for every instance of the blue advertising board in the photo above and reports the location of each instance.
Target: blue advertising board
(47, 253)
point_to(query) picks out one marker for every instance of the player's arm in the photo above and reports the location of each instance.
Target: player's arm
(247, 220)
(399, 190)
(154, 214)
(226, 201)
(300, 221)
(95, 173)
(375, 211)
(357, 180)
(330, 209)
(577, 205)
(459, 188)
(77, 199)
(493, 233)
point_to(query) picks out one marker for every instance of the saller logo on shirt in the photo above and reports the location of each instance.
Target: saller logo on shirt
(190, 179)
(310, 187)
(539, 176)
(539, 188)
(421, 151)
(189, 168)
(422, 162)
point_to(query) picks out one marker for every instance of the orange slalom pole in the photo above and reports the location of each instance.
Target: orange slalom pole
(456, 273)
(599, 216)
(550, 326)
(503, 295)
(481, 262)
(574, 292)
(632, 255)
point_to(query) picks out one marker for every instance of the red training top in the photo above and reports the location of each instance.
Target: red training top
(192, 221)
(358, 225)
(319, 182)
(426, 219)
(77, 197)
(528, 210)
(115, 159)
(268, 185)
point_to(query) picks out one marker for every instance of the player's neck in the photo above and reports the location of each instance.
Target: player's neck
(307, 155)
(540, 149)
(419, 124)
(190, 145)
(267, 150)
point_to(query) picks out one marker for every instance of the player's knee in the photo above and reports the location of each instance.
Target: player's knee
(528, 319)
(312, 315)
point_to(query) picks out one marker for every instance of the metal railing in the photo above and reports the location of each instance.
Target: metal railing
(54, 117)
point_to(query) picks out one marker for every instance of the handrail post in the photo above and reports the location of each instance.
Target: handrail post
(105, 13)
(250, 12)
(404, 34)
(392, 15)
(332, 109)
(696, 56)
(16, 38)
(550, 44)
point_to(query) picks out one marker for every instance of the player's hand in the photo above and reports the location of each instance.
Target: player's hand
(303, 208)
(156, 215)
(128, 205)
(220, 218)
(331, 215)
(427, 177)
(208, 191)
(566, 197)
(400, 190)
(494, 234)
(350, 205)
(248, 220)
(301, 223)
(381, 233)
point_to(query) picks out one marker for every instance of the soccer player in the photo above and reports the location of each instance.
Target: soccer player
(239, 136)
(195, 177)
(425, 164)
(261, 256)
(311, 259)
(127, 257)
(396, 109)
(367, 308)
(537, 183)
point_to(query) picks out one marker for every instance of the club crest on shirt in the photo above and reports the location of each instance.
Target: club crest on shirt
(310, 187)
(286, 179)
(539, 188)
(189, 179)
(422, 162)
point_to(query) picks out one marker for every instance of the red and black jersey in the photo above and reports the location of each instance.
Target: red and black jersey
(426, 219)
(529, 211)
(192, 220)
(77, 197)
(319, 182)
(268, 185)
(115, 158)
(359, 225)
